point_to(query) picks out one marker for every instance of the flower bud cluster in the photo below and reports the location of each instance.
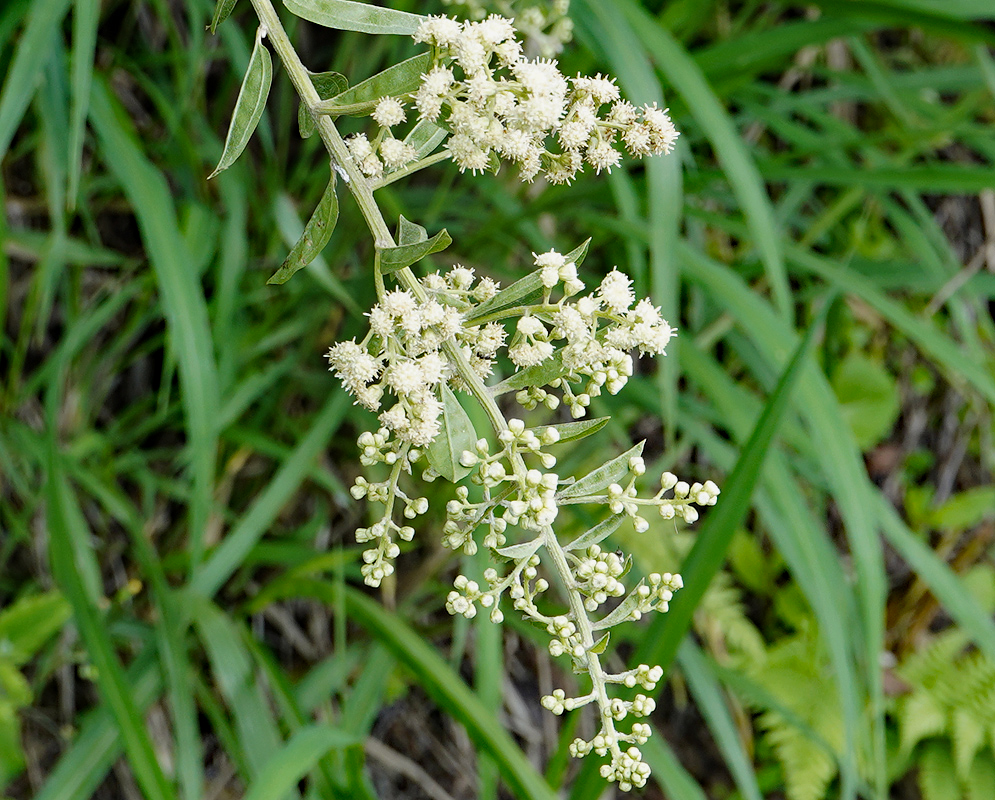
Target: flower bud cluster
(384, 154)
(598, 575)
(415, 340)
(498, 104)
(378, 561)
(685, 497)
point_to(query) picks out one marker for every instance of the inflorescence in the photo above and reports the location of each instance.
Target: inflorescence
(497, 104)
(589, 337)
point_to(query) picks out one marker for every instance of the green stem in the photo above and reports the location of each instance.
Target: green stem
(362, 190)
(412, 168)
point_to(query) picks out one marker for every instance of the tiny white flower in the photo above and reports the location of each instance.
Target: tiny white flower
(388, 112)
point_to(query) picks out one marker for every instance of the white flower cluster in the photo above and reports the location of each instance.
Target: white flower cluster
(416, 342)
(402, 354)
(593, 332)
(544, 24)
(499, 104)
(385, 154)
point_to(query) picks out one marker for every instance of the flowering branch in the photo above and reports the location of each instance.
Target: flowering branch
(432, 337)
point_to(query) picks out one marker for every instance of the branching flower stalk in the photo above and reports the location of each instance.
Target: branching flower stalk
(430, 338)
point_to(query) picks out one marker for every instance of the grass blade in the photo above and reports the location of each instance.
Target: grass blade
(298, 756)
(708, 553)
(744, 177)
(436, 677)
(86, 16)
(241, 539)
(44, 16)
(710, 701)
(182, 299)
(70, 552)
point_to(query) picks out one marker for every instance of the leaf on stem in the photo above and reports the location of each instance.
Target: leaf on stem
(539, 375)
(249, 106)
(222, 11)
(601, 645)
(456, 436)
(326, 84)
(516, 552)
(344, 15)
(603, 476)
(596, 534)
(394, 81)
(425, 137)
(525, 291)
(413, 246)
(316, 234)
(572, 431)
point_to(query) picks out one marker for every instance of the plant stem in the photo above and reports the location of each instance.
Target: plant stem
(362, 190)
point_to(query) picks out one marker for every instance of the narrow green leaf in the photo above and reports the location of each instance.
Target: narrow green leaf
(579, 253)
(182, 297)
(410, 232)
(344, 15)
(525, 291)
(677, 782)
(621, 613)
(455, 437)
(326, 84)
(27, 624)
(235, 674)
(222, 10)
(708, 553)
(516, 552)
(716, 124)
(249, 105)
(291, 228)
(938, 178)
(572, 431)
(598, 533)
(602, 477)
(404, 255)
(316, 234)
(712, 704)
(538, 375)
(941, 580)
(44, 17)
(86, 16)
(394, 81)
(70, 551)
(256, 521)
(97, 745)
(298, 756)
(601, 645)
(425, 137)
(948, 355)
(437, 678)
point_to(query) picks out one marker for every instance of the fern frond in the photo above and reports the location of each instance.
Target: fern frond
(807, 767)
(968, 737)
(920, 716)
(932, 665)
(937, 774)
(722, 607)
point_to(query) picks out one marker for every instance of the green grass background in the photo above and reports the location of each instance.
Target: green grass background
(174, 458)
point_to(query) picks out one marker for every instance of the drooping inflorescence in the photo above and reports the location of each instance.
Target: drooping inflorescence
(566, 344)
(547, 340)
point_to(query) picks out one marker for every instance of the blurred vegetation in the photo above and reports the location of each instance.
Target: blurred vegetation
(178, 617)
